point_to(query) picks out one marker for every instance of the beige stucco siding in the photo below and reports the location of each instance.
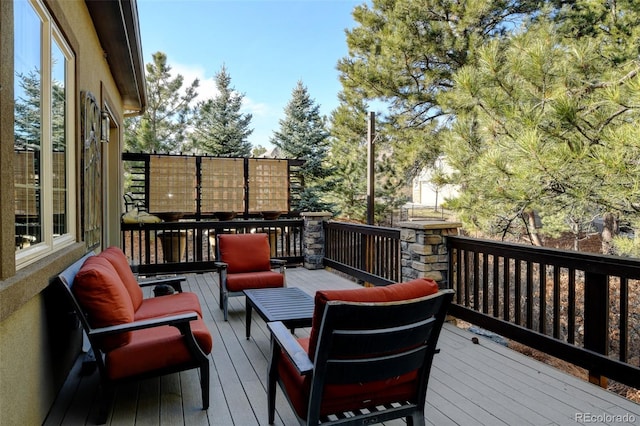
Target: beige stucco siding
(38, 343)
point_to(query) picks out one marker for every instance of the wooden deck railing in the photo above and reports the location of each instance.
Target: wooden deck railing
(369, 253)
(571, 305)
(189, 246)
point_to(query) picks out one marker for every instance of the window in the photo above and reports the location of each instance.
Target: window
(43, 134)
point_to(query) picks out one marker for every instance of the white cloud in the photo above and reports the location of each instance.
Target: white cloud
(265, 116)
(207, 87)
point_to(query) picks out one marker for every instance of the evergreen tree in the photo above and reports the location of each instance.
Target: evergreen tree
(220, 128)
(303, 135)
(258, 151)
(348, 158)
(163, 126)
(404, 53)
(547, 118)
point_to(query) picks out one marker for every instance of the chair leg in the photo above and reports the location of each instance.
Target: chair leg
(106, 402)
(272, 382)
(416, 419)
(221, 296)
(204, 384)
(225, 302)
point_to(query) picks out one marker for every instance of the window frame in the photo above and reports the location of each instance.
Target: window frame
(51, 35)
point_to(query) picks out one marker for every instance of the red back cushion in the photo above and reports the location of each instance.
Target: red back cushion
(245, 252)
(391, 293)
(102, 294)
(119, 261)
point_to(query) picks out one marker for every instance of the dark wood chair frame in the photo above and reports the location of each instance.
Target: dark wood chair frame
(181, 321)
(360, 343)
(225, 294)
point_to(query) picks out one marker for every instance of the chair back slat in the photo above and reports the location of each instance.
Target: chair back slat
(341, 371)
(357, 343)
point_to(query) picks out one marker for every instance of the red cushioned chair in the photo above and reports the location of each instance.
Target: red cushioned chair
(244, 262)
(135, 339)
(367, 359)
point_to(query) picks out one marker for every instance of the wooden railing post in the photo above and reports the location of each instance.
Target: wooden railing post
(596, 319)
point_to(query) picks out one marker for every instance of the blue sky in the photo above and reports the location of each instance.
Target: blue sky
(267, 46)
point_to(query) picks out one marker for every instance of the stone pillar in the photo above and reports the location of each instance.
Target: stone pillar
(424, 251)
(313, 238)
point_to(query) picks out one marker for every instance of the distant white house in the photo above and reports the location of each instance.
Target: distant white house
(426, 193)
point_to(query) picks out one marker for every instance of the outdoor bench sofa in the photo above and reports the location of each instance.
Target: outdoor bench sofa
(132, 337)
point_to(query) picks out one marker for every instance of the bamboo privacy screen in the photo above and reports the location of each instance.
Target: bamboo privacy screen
(199, 186)
(222, 185)
(268, 185)
(172, 184)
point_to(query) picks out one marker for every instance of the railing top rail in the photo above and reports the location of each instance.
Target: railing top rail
(364, 229)
(588, 262)
(140, 156)
(214, 224)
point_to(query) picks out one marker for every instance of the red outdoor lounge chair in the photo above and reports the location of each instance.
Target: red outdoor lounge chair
(134, 338)
(244, 262)
(367, 359)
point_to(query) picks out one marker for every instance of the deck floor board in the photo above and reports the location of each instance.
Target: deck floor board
(471, 384)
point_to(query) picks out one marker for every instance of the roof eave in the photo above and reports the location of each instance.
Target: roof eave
(116, 23)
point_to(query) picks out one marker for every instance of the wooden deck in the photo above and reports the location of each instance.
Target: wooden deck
(471, 384)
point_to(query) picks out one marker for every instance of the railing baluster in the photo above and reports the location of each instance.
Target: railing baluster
(518, 292)
(529, 295)
(571, 307)
(542, 299)
(624, 319)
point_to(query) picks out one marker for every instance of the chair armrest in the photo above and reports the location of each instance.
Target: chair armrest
(278, 264)
(220, 265)
(291, 347)
(174, 282)
(179, 321)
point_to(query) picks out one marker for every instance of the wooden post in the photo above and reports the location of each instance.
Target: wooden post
(596, 319)
(371, 129)
(371, 191)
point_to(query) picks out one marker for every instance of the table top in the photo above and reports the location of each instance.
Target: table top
(281, 304)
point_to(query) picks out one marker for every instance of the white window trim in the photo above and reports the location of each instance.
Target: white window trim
(51, 33)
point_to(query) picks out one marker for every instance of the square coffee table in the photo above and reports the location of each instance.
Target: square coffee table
(290, 305)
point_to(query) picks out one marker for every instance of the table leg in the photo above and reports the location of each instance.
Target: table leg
(248, 309)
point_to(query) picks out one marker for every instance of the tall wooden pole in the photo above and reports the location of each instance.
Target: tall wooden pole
(371, 130)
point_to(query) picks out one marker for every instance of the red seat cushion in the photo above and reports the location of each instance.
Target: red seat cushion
(265, 279)
(120, 263)
(338, 398)
(155, 348)
(100, 291)
(245, 252)
(168, 305)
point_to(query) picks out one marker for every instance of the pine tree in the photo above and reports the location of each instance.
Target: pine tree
(303, 135)
(348, 158)
(220, 128)
(163, 126)
(545, 124)
(403, 53)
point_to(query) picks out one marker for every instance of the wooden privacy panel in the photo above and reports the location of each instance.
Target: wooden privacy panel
(172, 184)
(268, 185)
(222, 185)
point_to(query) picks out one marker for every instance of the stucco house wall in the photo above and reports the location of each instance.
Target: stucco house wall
(39, 341)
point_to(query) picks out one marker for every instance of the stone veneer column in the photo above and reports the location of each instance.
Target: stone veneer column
(423, 249)
(313, 239)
